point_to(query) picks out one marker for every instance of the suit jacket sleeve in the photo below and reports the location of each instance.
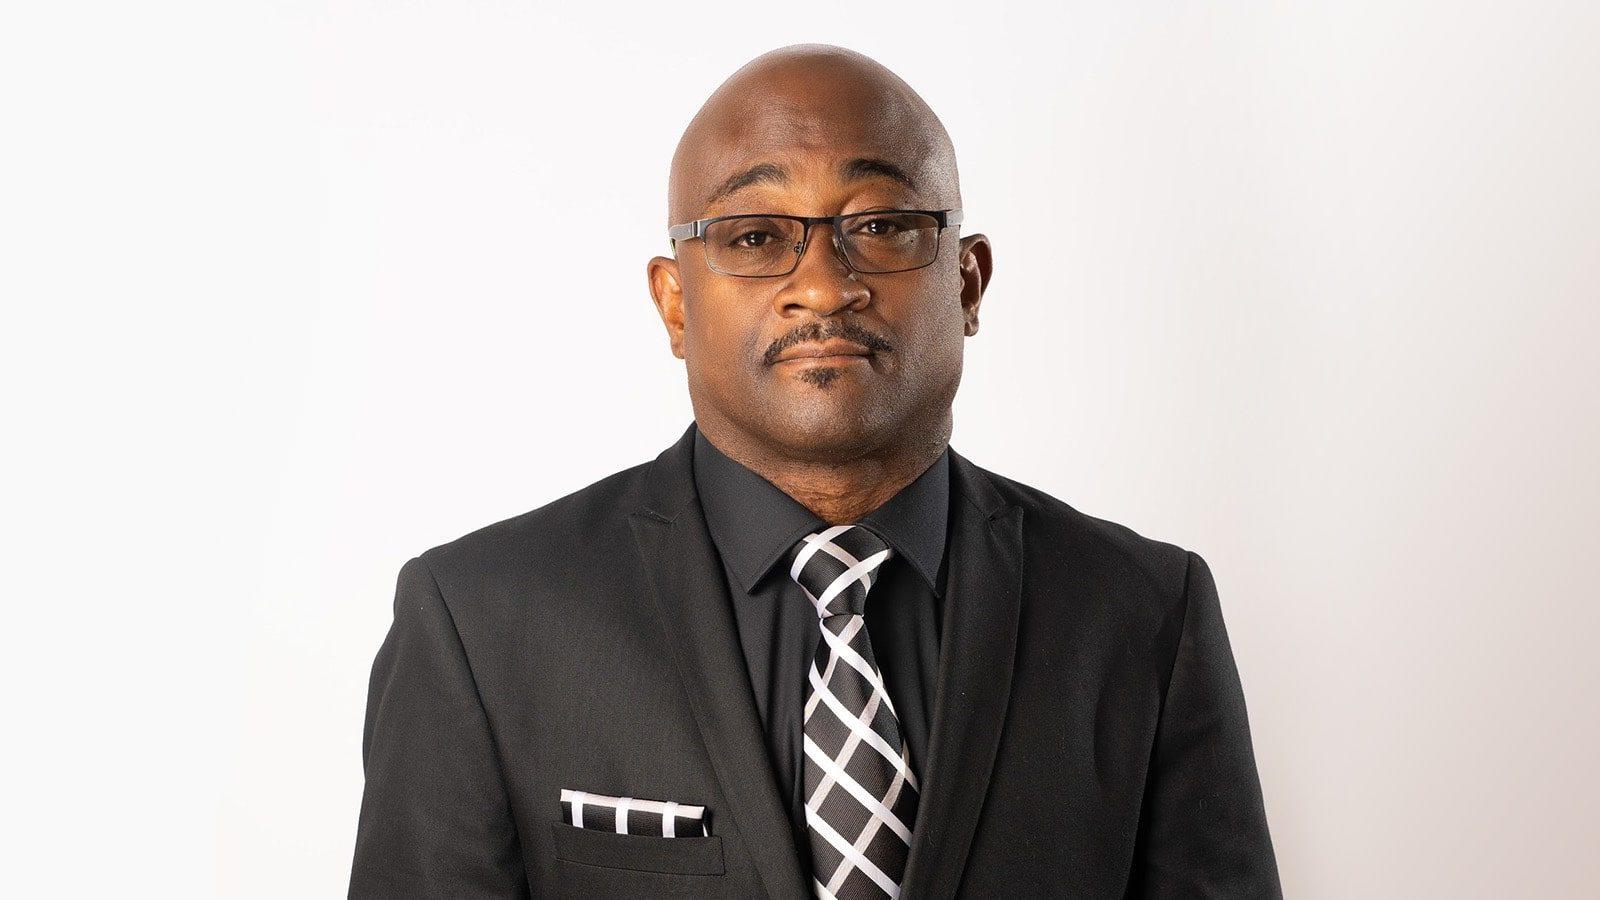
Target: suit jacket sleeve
(1204, 827)
(435, 817)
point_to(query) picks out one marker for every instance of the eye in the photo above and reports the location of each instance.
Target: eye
(881, 227)
(753, 239)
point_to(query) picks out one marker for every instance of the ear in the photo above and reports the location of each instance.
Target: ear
(667, 291)
(977, 265)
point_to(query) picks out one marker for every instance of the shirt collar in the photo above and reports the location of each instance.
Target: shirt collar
(754, 523)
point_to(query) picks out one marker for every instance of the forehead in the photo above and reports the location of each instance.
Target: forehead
(813, 120)
(814, 177)
(792, 146)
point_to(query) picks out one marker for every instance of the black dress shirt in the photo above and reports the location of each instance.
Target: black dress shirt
(754, 524)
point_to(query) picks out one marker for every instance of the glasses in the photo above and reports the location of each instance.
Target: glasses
(872, 243)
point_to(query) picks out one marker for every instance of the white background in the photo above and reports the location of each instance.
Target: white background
(293, 292)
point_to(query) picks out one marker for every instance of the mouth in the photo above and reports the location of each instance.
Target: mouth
(833, 352)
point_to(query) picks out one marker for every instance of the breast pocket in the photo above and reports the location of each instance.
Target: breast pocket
(690, 855)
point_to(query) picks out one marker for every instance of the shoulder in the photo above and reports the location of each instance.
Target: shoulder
(1070, 547)
(547, 539)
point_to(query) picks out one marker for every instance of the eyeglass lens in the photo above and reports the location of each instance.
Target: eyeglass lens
(874, 242)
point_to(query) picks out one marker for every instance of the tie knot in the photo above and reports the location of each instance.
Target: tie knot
(837, 566)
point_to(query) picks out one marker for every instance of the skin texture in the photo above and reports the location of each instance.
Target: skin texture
(840, 435)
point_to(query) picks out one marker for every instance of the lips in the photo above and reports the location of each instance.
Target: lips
(835, 347)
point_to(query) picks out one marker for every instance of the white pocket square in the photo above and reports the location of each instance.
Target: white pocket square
(633, 815)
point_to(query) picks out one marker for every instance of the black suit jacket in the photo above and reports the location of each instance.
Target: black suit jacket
(1089, 735)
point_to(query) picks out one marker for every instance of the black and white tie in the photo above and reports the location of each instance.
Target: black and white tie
(861, 796)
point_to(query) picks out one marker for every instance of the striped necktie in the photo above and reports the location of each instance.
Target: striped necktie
(861, 796)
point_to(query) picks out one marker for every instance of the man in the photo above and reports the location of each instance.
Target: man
(810, 649)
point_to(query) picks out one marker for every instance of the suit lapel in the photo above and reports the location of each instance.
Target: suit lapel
(697, 614)
(977, 652)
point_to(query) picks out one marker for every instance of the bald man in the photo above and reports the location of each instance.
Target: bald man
(810, 649)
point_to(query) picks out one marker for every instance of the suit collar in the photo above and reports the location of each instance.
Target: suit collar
(981, 606)
(669, 480)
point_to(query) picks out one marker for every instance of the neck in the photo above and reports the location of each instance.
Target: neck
(840, 488)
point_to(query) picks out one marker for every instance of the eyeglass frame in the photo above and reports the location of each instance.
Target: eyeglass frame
(944, 218)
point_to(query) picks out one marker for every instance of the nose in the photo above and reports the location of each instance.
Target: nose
(821, 281)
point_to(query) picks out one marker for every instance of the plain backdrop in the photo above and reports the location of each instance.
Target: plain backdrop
(294, 291)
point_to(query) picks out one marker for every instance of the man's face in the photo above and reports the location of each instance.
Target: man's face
(750, 344)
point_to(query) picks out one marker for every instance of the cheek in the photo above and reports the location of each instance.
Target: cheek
(935, 324)
(938, 352)
(717, 332)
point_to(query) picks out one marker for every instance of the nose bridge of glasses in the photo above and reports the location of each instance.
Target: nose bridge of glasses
(835, 242)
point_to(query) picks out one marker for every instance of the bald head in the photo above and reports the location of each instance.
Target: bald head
(810, 111)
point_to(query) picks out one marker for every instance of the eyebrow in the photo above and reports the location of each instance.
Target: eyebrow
(763, 173)
(870, 167)
(858, 169)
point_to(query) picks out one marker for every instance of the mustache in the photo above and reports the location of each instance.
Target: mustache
(813, 332)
